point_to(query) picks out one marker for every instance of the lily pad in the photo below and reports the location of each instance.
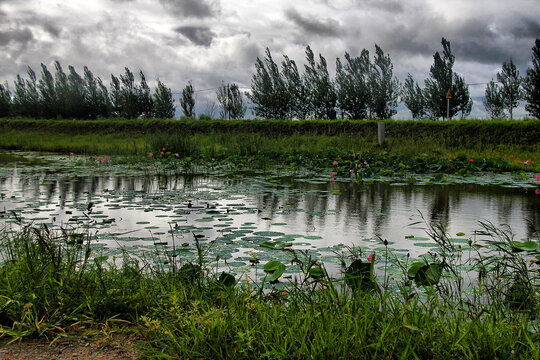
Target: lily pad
(527, 245)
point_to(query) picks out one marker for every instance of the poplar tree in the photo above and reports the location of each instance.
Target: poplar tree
(61, 90)
(144, 98)
(128, 96)
(115, 96)
(26, 96)
(269, 93)
(384, 86)
(511, 91)
(96, 95)
(443, 80)
(76, 100)
(413, 98)
(320, 87)
(5, 100)
(531, 83)
(47, 94)
(493, 102)
(163, 102)
(296, 88)
(187, 101)
(230, 99)
(352, 85)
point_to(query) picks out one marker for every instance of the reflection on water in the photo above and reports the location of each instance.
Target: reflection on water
(337, 212)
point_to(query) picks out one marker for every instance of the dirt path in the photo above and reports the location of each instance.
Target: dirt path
(102, 347)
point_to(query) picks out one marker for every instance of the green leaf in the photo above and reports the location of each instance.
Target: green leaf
(428, 274)
(316, 273)
(271, 265)
(277, 273)
(358, 273)
(227, 279)
(529, 245)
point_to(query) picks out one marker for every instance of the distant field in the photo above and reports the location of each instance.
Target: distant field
(516, 141)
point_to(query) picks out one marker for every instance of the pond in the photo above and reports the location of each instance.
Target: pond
(241, 218)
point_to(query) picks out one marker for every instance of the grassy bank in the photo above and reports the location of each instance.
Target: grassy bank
(51, 285)
(513, 141)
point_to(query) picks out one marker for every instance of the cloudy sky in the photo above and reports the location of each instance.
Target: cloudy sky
(209, 41)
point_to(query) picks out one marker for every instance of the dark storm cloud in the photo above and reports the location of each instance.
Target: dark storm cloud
(189, 8)
(529, 28)
(199, 35)
(312, 25)
(388, 6)
(480, 51)
(52, 29)
(22, 36)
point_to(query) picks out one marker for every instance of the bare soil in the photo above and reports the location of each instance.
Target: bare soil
(103, 347)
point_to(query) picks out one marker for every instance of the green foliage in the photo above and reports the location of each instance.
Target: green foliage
(163, 104)
(187, 101)
(231, 101)
(510, 91)
(353, 91)
(5, 100)
(413, 98)
(493, 101)
(297, 90)
(443, 79)
(268, 90)
(321, 89)
(531, 83)
(385, 87)
(47, 284)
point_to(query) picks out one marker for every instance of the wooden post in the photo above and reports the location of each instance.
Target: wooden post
(380, 132)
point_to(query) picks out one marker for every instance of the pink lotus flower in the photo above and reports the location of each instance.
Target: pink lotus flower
(528, 162)
(335, 163)
(359, 165)
(162, 153)
(70, 154)
(537, 191)
(471, 160)
(91, 167)
(370, 258)
(365, 162)
(152, 168)
(249, 160)
(137, 165)
(332, 173)
(163, 149)
(204, 162)
(351, 171)
(538, 177)
(176, 155)
(213, 159)
(30, 154)
(150, 155)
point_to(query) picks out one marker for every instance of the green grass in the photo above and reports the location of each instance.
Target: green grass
(49, 282)
(515, 141)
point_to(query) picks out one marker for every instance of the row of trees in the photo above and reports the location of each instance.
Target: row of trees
(511, 88)
(361, 88)
(72, 96)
